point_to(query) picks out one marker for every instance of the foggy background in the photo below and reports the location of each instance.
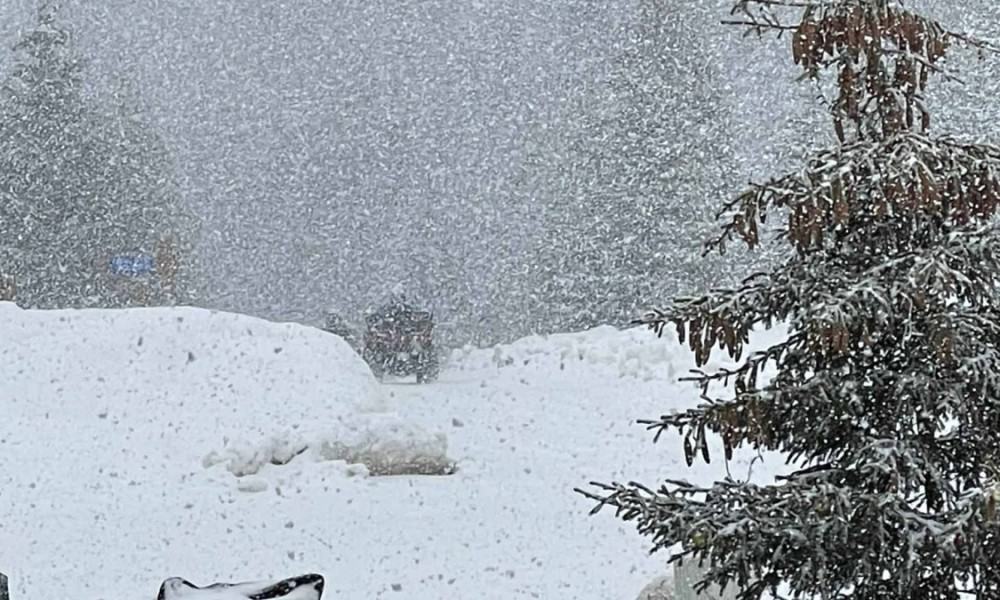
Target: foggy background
(518, 166)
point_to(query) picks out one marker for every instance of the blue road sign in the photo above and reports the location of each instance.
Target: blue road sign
(132, 266)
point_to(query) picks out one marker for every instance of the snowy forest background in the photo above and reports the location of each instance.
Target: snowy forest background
(521, 167)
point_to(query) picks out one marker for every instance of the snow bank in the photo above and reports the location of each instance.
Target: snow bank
(177, 382)
(635, 353)
(384, 444)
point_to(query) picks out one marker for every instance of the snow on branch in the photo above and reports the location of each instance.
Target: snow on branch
(855, 189)
(882, 55)
(838, 302)
(812, 534)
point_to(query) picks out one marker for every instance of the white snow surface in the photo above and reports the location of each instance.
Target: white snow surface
(138, 445)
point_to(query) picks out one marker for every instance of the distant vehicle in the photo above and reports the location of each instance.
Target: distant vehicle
(399, 340)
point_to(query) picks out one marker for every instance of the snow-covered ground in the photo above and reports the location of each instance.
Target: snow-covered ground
(138, 445)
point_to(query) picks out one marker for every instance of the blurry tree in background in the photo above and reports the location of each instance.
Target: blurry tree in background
(633, 192)
(78, 184)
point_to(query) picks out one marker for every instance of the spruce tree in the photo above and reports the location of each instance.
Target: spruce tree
(885, 395)
(47, 150)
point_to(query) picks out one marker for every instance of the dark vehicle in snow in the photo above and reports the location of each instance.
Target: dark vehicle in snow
(399, 340)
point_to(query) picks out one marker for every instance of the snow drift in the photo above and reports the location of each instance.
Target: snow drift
(634, 353)
(383, 443)
(184, 381)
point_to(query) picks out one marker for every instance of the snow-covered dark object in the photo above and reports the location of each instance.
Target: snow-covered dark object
(885, 395)
(303, 587)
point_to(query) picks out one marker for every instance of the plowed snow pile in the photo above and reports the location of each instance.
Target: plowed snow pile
(138, 445)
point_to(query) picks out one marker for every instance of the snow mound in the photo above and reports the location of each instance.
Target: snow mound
(388, 445)
(243, 459)
(634, 353)
(384, 444)
(166, 385)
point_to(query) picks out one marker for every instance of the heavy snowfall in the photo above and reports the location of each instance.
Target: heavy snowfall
(353, 287)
